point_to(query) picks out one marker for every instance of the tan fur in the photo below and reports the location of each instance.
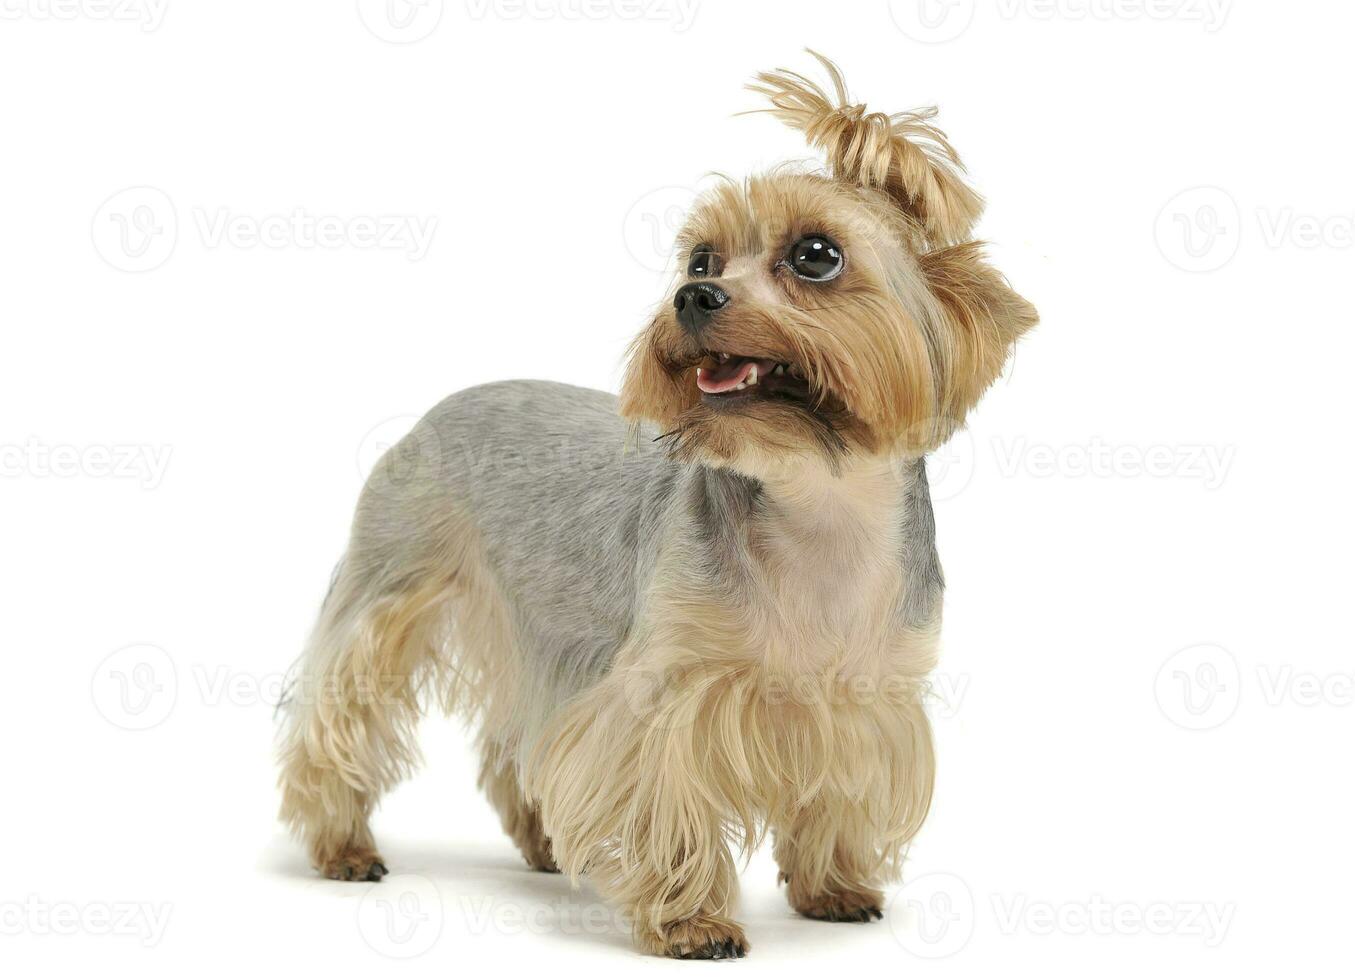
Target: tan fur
(720, 719)
(790, 705)
(984, 318)
(368, 680)
(521, 818)
(902, 154)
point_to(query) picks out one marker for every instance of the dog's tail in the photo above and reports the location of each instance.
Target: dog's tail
(902, 154)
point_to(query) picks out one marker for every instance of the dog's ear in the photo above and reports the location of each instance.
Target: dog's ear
(982, 318)
(903, 155)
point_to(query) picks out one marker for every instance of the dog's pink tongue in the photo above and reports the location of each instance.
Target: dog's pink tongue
(723, 377)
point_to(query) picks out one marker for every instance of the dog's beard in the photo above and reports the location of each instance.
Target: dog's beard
(774, 422)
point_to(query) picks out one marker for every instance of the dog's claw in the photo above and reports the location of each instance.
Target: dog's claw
(730, 949)
(356, 865)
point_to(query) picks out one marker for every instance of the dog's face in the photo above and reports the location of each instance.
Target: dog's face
(822, 316)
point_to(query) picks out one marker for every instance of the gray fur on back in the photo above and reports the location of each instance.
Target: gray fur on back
(572, 511)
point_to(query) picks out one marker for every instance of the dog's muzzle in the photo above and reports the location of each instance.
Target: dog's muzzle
(696, 303)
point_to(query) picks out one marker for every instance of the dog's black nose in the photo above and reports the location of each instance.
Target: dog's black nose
(697, 302)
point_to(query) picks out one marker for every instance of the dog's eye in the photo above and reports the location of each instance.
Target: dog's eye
(704, 262)
(815, 257)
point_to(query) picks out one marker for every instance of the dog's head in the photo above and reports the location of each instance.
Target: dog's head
(822, 315)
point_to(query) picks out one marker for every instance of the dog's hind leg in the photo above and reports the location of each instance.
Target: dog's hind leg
(354, 707)
(521, 818)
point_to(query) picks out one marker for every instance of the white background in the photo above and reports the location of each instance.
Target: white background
(1164, 469)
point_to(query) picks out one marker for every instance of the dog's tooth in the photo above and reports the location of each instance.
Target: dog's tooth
(779, 369)
(752, 375)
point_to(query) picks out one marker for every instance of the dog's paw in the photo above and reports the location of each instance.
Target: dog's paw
(850, 906)
(702, 937)
(355, 864)
(537, 854)
(542, 862)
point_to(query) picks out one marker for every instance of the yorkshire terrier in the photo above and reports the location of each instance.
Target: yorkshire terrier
(706, 610)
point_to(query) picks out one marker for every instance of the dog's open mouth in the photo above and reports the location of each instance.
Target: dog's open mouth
(722, 376)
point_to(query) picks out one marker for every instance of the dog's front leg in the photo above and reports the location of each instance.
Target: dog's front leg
(633, 793)
(836, 849)
(829, 857)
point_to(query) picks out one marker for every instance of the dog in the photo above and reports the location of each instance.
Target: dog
(704, 612)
